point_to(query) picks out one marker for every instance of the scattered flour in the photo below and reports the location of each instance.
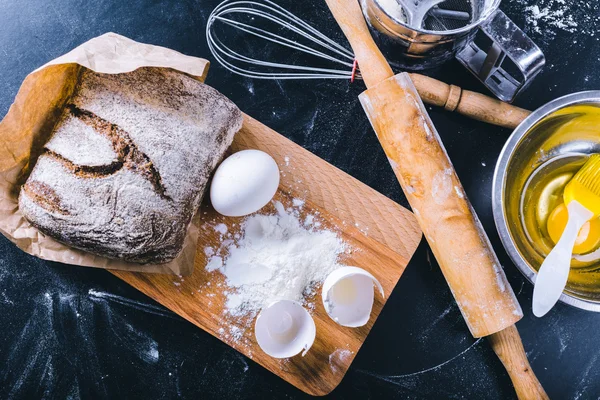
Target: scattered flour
(338, 360)
(555, 14)
(500, 278)
(392, 7)
(214, 263)
(441, 187)
(298, 203)
(221, 228)
(309, 220)
(545, 18)
(459, 192)
(277, 257)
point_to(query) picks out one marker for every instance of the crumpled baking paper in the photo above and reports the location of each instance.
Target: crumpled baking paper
(31, 118)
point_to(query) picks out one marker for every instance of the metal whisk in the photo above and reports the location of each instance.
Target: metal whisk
(301, 45)
(268, 21)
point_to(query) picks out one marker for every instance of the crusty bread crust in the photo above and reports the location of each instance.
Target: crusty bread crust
(128, 163)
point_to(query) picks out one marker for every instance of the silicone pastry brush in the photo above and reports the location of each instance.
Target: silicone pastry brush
(433, 189)
(582, 197)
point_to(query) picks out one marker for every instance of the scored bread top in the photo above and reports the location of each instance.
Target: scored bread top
(128, 163)
(78, 142)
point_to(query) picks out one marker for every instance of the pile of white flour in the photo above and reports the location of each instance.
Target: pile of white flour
(275, 257)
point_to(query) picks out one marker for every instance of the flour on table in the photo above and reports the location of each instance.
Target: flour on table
(556, 14)
(299, 203)
(544, 18)
(339, 359)
(221, 228)
(214, 263)
(277, 257)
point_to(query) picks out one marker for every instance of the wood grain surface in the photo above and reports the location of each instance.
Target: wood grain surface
(381, 234)
(430, 183)
(471, 104)
(508, 347)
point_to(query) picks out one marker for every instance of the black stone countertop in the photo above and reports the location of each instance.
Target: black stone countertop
(71, 332)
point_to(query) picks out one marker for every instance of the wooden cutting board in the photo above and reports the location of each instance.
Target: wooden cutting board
(382, 235)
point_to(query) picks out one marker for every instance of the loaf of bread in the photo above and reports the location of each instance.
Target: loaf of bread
(128, 163)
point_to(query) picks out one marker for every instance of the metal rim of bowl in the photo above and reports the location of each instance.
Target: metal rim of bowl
(500, 177)
(473, 25)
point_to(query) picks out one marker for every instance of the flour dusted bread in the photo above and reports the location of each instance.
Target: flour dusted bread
(128, 163)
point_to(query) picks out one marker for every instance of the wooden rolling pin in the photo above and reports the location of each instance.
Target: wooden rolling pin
(438, 200)
(471, 104)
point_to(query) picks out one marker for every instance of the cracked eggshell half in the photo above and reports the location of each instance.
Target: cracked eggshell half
(284, 329)
(244, 183)
(348, 296)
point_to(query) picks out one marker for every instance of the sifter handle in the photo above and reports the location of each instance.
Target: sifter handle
(508, 347)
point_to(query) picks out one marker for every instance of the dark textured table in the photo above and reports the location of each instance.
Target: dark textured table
(70, 332)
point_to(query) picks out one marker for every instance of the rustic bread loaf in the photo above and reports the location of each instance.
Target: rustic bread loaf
(128, 163)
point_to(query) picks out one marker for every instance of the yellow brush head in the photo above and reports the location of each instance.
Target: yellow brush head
(585, 186)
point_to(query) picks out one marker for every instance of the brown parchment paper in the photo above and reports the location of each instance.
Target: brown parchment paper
(31, 118)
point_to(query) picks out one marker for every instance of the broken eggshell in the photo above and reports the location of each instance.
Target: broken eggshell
(348, 296)
(285, 329)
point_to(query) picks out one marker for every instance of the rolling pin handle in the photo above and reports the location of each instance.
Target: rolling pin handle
(453, 98)
(508, 347)
(473, 105)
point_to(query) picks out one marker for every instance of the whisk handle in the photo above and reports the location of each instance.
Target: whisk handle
(373, 66)
(471, 104)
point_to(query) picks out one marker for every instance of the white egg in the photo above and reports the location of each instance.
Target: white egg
(244, 183)
(348, 296)
(285, 329)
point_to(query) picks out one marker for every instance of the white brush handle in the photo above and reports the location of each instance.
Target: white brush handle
(554, 272)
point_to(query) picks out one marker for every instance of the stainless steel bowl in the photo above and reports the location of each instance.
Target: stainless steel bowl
(535, 141)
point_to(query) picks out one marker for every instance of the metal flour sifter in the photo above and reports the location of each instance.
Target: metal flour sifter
(425, 33)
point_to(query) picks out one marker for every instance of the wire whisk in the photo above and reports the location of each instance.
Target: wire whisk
(268, 21)
(238, 32)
